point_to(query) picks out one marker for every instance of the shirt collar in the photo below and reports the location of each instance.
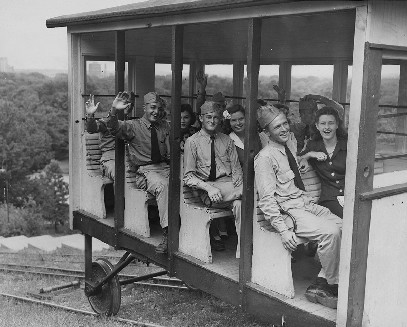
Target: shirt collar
(145, 121)
(277, 146)
(205, 134)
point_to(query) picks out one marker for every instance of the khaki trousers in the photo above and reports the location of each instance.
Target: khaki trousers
(317, 223)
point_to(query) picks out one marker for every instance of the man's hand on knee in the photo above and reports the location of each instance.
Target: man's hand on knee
(289, 240)
(215, 195)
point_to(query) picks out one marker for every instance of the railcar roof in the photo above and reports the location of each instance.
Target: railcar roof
(152, 8)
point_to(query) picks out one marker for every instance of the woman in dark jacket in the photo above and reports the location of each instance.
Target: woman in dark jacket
(326, 152)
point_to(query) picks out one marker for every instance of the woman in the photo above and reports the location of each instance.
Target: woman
(326, 152)
(188, 119)
(234, 125)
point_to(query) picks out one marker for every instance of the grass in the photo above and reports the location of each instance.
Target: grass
(166, 307)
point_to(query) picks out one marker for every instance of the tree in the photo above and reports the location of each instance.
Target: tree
(53, 195)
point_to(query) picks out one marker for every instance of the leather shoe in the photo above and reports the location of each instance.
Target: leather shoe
(217, 245)
(322, 294)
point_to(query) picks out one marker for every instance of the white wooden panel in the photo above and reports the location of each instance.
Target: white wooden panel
(386, 283)
(388, 179)
(350, 180)
(387, 22)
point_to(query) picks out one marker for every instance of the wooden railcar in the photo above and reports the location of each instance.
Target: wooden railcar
(364, 35)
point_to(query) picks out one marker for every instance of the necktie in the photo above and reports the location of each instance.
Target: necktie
(212, 174)
(155, 148)
(293, 165)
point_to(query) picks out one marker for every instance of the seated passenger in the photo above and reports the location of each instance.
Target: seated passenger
(187, 123)
(106, 139)
(280, 187)
(234, 126)
(149, 153)
(211, 164)
(326, 152)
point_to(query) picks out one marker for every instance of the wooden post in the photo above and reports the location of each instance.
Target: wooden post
(119, 154)
(284, 78)
(174, 182)
(192, 82)
(401, 141)
(76, 113)
(364, 147)
(251, 137)
(340, 83)
(238, 80)
(145, 81)
(88, 257)
(131, 81)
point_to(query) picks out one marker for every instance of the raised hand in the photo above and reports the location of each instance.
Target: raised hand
(122, 101)
(281, 94)
(202, 78)
(90, 105)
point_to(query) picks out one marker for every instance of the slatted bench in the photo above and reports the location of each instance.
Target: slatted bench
(137, 202)
(94, 182)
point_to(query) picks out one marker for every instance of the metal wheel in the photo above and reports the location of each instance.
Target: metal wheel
(107, 301)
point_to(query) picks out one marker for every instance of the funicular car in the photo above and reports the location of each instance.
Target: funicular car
(365, 36)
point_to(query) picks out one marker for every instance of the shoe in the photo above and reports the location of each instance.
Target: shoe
(223, 235)
(323, 282)
(322, 294)
(162, 248)
(217, 245)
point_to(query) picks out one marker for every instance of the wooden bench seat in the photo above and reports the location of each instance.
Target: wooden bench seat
(271, 263)
(194, 237)
(93, 180)
(137, 202)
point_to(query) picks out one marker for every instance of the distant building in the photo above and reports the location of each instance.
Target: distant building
(4, 66)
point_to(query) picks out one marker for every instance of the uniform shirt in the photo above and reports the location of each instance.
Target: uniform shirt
(106, 139)
(197, 158)
(332, 170)
(275, 182)
(138, 133)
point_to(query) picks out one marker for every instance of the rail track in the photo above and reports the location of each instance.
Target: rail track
(73, 310)
(161, 282)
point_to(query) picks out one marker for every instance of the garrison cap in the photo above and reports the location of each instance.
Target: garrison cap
(266, 114)
(210, 106)
(152, 97)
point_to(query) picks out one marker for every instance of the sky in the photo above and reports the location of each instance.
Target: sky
(28, 44)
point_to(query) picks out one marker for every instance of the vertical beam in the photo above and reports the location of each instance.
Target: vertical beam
(340, 83)
(76, 75)
(238, 78)
(401, 141)
(174, 182)
(361, 32)
(284, 78)
(119, 154)
(145, 80)
(88, 257)
(365, 154)
(199, 66)
(131, 81)
(251, 138)
(192, 83)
